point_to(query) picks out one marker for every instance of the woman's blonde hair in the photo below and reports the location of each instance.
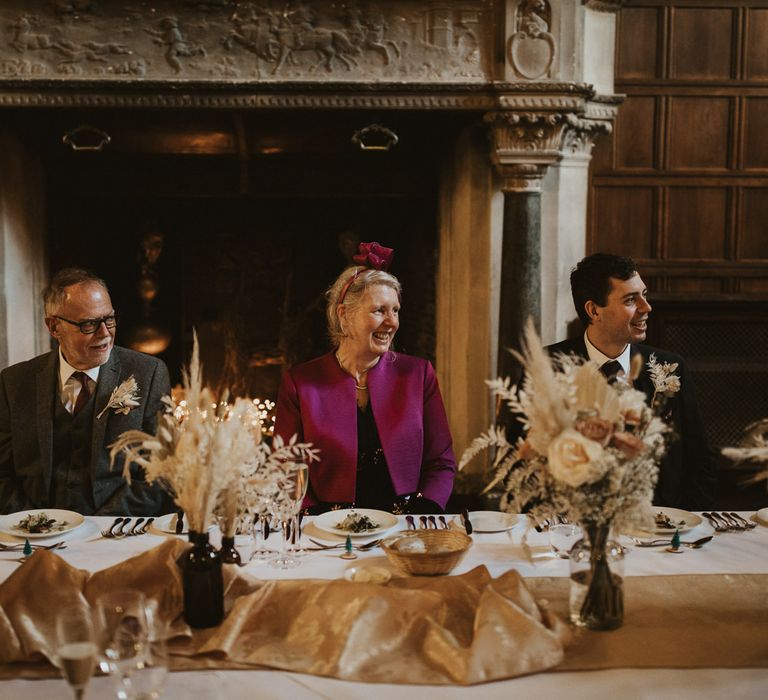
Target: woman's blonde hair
(348, 289)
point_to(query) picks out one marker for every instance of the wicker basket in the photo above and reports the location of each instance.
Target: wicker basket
(445, 549)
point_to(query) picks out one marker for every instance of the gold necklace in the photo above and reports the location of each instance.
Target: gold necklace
(359, 387)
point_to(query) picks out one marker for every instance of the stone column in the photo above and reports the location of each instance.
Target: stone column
(524, 146)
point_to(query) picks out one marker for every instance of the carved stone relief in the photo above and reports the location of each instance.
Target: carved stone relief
(265, 40)
(531, 49)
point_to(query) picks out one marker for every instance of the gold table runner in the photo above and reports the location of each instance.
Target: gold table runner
(448, 630)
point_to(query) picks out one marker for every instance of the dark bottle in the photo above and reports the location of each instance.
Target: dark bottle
(229, 555)
(203, 583)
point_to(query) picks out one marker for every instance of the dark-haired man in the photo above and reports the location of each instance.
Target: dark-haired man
(611, 300)
(57, 417)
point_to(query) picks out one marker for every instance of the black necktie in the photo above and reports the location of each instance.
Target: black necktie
(85, 392)
(610, 370)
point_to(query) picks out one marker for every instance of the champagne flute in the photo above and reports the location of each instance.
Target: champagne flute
(77, 650)
(286, 508)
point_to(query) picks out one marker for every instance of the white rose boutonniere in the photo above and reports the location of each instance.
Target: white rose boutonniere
(124, 398)
(575, 459)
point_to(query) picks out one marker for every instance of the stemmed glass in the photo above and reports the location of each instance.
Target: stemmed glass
(286, 507)
(148, 674)
(124, 635)
(76, 650)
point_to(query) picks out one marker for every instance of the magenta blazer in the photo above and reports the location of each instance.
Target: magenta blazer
(317, 403)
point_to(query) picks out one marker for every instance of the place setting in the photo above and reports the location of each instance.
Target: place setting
(26, 531)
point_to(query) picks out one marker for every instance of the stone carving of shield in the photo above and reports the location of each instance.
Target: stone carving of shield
(532, 56)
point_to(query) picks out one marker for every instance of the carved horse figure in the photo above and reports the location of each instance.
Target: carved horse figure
(326, 43)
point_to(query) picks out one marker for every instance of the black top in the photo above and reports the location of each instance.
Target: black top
(374, 486)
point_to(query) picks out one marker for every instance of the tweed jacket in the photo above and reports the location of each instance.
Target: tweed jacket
(28, 391)
(686, 474)
(317, 402)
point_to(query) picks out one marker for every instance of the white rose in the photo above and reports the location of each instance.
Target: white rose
(575, 459)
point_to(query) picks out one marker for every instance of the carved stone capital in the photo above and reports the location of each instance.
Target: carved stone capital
(525, 144)
(605, 5)
(580, 137)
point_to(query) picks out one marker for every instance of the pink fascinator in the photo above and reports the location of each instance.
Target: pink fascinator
(374, 256)
(370, 255)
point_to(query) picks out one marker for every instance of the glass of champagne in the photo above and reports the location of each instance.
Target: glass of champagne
(77, 650)
(287, 508)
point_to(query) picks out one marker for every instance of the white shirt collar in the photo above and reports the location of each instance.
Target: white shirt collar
(66, 370)
(595, 355)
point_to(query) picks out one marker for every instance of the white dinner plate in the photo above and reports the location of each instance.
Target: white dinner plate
(9, 524)
(687, 521)
(762, 516)
(487, 521)
(329, 521)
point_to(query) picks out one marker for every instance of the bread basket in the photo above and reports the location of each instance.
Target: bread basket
(443, 550)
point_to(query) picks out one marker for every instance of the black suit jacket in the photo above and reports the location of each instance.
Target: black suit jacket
(686, 474)
(28, 391)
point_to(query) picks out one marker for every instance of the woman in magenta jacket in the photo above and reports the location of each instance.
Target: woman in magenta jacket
(376, 416)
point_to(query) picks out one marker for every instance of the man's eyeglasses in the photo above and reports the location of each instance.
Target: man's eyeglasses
(91, 325)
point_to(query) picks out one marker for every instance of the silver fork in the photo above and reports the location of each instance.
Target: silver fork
(748, 525)
(120, 532)
(135, 530)
(732, 523)
(715, 522)
(110, 531)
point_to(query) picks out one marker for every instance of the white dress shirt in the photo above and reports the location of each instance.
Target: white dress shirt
(69, 386)
(623, 359)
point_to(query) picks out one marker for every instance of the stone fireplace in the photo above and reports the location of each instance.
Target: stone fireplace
(217, 160)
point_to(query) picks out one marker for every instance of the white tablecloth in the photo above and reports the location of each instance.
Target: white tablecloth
(740, 552)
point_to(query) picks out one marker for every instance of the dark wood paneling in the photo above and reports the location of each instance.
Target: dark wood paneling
(638, 56)
(697, 223)
(755, 125)
(695, 285)
(753, 243)
(623, 220)
(701, 48)
(691, 143)
(754, 286)
(635, 129)
(698, 133)
(757, 54)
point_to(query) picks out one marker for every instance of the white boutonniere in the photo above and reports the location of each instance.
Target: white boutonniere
(665, 383)
(124, 398)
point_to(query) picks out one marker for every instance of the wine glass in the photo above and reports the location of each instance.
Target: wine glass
(123, 635)
(149, 670)
(286, 508)
(76, 650)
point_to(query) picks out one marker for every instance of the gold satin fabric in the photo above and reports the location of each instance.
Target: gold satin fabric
(459, 629)
(448, 630)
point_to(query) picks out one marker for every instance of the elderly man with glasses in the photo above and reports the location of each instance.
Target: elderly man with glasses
(60, 412)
